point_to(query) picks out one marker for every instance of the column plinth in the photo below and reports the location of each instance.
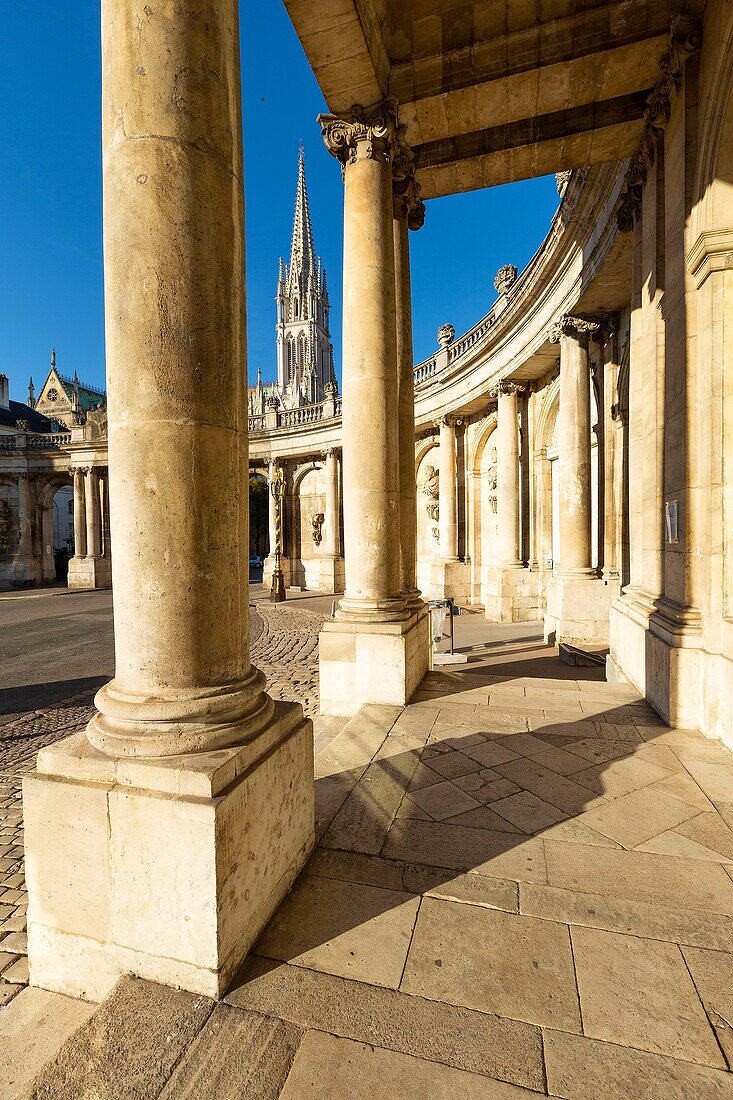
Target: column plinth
(162, 841)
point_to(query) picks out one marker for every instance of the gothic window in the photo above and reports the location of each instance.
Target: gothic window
(303, 351)
(291, 360)
(295, 310)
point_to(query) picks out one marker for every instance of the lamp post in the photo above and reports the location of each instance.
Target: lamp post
(277, 590)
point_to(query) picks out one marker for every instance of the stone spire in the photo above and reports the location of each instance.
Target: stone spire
(31, 393)
(304, 352)
(302, 250)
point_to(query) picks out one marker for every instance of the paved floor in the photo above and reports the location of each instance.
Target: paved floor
(523, 885)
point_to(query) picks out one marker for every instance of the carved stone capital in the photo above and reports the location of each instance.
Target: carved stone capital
(329, 452)
(685, 39)
(575, 327)
(362, 135)
(505, 388)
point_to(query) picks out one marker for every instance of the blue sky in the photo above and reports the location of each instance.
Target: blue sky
(50, 214)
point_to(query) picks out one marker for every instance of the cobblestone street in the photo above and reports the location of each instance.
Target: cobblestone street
(284, 644)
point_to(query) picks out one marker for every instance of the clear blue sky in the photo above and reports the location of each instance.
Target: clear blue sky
(50, 210)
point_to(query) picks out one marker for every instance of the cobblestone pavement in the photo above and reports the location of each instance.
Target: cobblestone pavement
(284, 644)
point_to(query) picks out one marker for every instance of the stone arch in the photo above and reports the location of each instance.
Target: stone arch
(308, 498)
(426, 465)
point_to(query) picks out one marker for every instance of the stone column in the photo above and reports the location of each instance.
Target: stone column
(611, 457)
(370, 430)
(409, 213)
(375, 651)
(104, 503)
(507, 470)
(573, 438)
(448, 517)
(182, 858)
(271, 509)
(331, 531)
(93, 524)
(24, 567)
(80, 512)
(578, 603)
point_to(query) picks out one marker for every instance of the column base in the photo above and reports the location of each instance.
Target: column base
(450, 579)
(169, 868)
(20, 573)
(578, 610)
(87, 573)
(511, 594)
(362, 663)
(329, 575)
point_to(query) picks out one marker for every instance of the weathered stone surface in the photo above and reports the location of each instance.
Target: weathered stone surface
(129, 1047)
(712, 973)
(586, 1069)
(32, 1030)
(333, 1068)
(638, 993)
(237, 1053)
(473, 1041)
(504, 963)
(356, 931)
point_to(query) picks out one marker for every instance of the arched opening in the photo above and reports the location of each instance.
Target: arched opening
(259, 530)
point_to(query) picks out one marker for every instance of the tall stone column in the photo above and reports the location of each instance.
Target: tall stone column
(573, 442)
(448, 487)
(372, 619)
(80, 512)
(182, 858)
(93, 521)
(409, 214)
(511, 589)
(271, 508)
(507, 473)
(24, 567)
(331, 532)
(104, 499)
(578, 602)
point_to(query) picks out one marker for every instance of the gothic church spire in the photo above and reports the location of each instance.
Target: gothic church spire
(302, 250)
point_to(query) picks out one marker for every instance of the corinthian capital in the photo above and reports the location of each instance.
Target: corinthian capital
(505, 388)
(573, 326)
(362, 135)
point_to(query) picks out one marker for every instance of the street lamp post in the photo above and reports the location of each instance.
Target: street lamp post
(277, 590)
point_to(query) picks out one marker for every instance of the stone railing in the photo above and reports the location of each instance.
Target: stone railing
(46, 442)
(7, 443)
(423, 371)
(294, 418)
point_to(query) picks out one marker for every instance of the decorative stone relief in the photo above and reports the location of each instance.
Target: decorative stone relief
(446, 335)
(493, 480)
(562, 179)
(6, 527)
(363, 135)
(685, 40)
(431, 489)
(578, 327)
(317, 522)
(505, 279)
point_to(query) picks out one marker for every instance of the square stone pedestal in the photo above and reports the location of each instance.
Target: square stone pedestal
(578, 610)
(168, 869)
(331, 575)
(450, 579)
(363, 663)
(87, 573)
(511, 594)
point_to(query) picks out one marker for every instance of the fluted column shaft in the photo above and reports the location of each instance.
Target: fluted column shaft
(178, 448)
(80, 530)
(574, 444)
(331, 532)
(406, 413)
(507, 474)
(448, 487)
(371, 479)
(93, 518)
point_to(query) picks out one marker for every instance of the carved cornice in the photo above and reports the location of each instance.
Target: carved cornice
(506, 388)
(576, 327)
(362, 135)
(685, 40)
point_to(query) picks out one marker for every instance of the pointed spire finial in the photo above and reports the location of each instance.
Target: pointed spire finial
(302, 249)
(53, 358)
